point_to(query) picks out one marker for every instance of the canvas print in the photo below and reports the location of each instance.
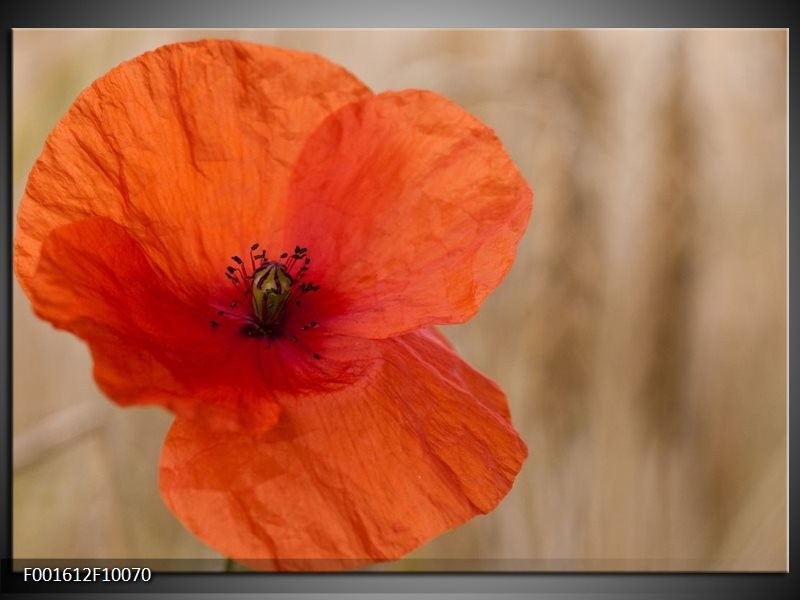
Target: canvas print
(405, 300)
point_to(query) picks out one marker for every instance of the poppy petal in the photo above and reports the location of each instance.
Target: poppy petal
(367, 473)
(189, 147)
(413, 208)
(151, 347)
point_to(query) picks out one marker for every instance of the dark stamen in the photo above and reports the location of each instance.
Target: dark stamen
(268, 284)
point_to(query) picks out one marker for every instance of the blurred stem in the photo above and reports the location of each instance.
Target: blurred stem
(230, 565)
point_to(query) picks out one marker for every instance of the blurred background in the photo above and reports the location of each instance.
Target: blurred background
(641, 336)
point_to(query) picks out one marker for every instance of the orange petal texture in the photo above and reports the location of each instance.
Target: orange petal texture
(351, 432)
(190, 148)
(372, 471)
(415, 209)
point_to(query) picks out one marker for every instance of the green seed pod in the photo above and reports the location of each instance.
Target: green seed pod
(272, 286)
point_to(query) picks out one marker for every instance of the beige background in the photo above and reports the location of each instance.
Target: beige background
(641, 335)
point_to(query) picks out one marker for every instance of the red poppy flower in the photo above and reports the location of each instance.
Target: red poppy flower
(252, 239)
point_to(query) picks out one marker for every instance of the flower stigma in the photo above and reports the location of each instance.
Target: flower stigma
(269, 288)
(272, 286)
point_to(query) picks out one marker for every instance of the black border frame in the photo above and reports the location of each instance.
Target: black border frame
(411, 14)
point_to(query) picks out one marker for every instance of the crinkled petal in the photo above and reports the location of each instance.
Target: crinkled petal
(367, 473)
(189, 147)
(151, 347)
(412, 210)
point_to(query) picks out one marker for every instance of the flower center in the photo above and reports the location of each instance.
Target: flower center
(270, 288)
